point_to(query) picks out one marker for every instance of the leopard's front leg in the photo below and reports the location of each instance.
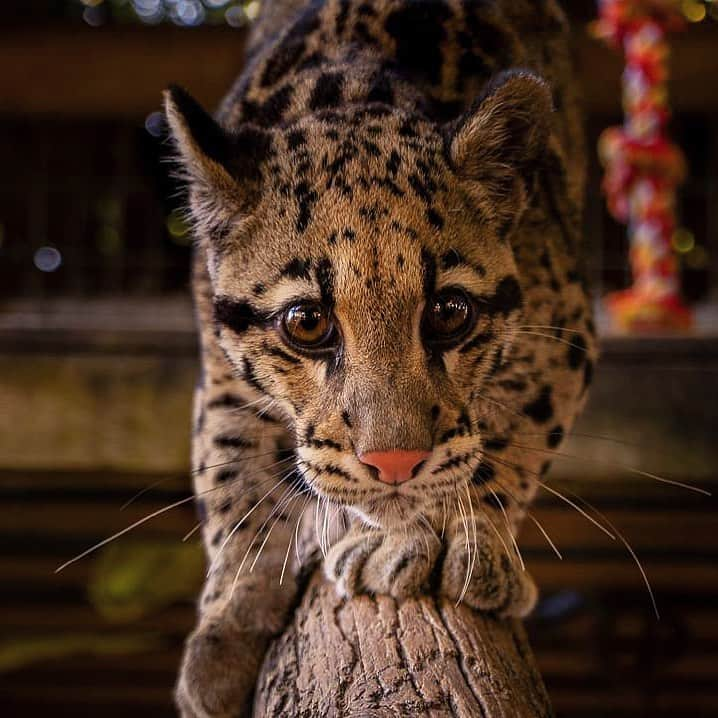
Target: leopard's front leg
(374, 561)
(473, 562)
(482, 569)
(249, 500)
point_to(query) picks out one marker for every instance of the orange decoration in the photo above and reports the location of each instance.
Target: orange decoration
(643, 167)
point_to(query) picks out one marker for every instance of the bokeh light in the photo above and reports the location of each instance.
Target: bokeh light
(235, 16)
(694, 10)
(186, 13)
(683, 240)
(47, 259)
(178, 228)
(236, 13)
(93, 16)
(155, 124)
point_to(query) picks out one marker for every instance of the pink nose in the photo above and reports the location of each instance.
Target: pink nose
(397, 466)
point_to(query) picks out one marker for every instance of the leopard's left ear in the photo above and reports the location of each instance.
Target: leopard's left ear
(496, 147)
(223, 169)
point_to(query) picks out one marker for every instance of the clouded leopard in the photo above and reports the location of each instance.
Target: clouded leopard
(395, 331)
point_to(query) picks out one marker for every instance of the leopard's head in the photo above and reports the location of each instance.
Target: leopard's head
(364, 282)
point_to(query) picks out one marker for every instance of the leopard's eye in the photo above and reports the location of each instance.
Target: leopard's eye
(448, 318)
(307, 326)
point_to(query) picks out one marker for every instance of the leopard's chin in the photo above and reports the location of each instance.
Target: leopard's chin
(390, 510)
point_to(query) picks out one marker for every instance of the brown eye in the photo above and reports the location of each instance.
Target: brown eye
(307, 326)
(448, 317)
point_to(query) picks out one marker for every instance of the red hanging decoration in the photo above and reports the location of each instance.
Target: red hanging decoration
(643, 167)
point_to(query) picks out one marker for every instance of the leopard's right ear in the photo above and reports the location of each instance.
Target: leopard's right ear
(222, 168)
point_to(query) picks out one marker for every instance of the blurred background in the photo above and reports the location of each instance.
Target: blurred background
(98, 361)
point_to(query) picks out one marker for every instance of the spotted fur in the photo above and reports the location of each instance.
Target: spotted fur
(372, 153)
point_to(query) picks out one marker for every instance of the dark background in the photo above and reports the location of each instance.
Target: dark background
(97, 364)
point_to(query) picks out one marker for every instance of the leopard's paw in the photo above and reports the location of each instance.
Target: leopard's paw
(479, 572)
(219, 671)
(376, 562)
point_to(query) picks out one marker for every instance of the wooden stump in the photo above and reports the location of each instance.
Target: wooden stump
(370, 658)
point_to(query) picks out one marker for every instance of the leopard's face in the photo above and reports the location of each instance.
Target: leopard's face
(364, 294)
(368, 302)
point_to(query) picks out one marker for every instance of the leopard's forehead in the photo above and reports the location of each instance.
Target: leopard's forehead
(367, 192)
(367, 161)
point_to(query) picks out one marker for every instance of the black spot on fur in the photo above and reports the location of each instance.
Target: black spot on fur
(325, 279)
(297, 269)
(295, 139)
(587, 374)
(324, 443)
(496, 501)
(284, 356)
(366, 10)
(448, 436)
(292, 46)
(347, 419)
(418, 30)
(428, 264)
(555, 436)
(507, 297)
(233, 442)
(407, 129)
(250, 147)
(496, 443)
(399, 566)
(258, 289)
(269, 112)
(422, 190)
(225, 475)
(227, 401)
(313, 60)
(435, 411)
(452, 259)
(327, 91)
(371, 148)
(282, 61)
(250, 377)
(362, 34)
(541, 409)
(306, 199)
(485, 472)
(577, 351)
(435, 219)
(237, 316)
(513, 385)
(200, 422)
(472, 64)
(381, 90)
(342, 15)
(393, 163)
(417, 469)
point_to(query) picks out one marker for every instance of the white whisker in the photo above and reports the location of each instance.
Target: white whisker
(616, 464)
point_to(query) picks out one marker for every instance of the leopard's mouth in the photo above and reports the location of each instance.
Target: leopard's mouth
(391, 508)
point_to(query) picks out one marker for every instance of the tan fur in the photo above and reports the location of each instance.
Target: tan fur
(347, 169)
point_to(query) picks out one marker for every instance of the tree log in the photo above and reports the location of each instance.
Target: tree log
(370, 657)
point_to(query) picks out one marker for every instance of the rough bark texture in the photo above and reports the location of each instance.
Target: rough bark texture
(370, 658)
